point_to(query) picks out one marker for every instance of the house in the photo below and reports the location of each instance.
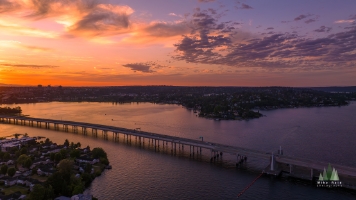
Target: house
(20, 182)
(10, 181)
(45, 171)
(53, 150)
(30, 182)
(81, 197)
(8, 144)
(86, 159)
(62, 198)
(10, 162)
(22, 197)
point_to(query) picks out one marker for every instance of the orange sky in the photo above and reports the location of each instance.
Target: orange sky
(217, 43)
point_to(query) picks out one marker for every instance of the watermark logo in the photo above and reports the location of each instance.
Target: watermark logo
(329, 178)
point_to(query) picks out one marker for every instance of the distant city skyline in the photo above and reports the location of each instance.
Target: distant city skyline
(182, 43)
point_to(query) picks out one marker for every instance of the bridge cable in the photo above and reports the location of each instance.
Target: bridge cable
(244, 190)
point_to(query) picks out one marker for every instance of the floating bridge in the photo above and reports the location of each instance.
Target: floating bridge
(294, 167)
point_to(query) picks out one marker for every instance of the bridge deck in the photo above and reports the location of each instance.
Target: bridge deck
(311, 164)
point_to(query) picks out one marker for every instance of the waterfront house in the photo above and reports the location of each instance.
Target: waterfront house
(86, 159)
(81, 197)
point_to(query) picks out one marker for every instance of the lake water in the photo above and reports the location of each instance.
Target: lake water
(325, 134)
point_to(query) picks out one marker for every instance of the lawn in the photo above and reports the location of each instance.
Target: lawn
(39, 178)
(15, 188)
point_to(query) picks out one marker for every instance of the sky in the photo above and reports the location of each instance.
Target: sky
(178, 42)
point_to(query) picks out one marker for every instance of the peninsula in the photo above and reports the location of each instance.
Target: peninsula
(37, 168)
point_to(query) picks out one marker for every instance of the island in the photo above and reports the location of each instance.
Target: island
(37, 168)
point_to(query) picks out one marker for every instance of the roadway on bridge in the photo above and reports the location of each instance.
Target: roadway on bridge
(349, 171)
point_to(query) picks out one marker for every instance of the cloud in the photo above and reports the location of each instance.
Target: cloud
(164, 29)
(6, 6)
(25, 31)
(208, 44)
(205, 1)
(139, 67)
(300, 17)
(80, 17)
(170, 32)
(17, 44)
(245, 6)
(342, 21)
(35, 48)
(157, 32)
(270, 28)
(103, 20)
(309, 21)
(28, 66)
(323, 29)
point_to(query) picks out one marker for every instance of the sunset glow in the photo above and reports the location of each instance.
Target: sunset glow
(188, 42)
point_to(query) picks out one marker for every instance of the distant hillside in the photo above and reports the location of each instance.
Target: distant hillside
(336, 89)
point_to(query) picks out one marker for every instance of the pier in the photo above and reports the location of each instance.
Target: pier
(279, 164)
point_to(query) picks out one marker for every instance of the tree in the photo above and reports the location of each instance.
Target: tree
(87, 178)
(25, 160)
(58, 157)
(51, 156)
(49, 192)
(88, 168)
(63, 152)
(65, 166)
(99, 153)
(78, 189)
(17, 154)
(58, 184)
(72, 145)
(3, 169)
(66, 143)
(34, 170)
(11, 171)
(75, 153)
(77, 186)
(104, 161)
(6, 156)
(38, 192)
(27, 163)
(23, 150)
